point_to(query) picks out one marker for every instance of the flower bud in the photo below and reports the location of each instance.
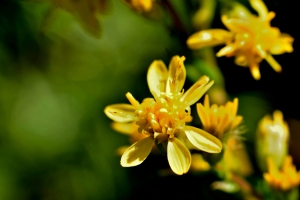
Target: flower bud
(272, 140)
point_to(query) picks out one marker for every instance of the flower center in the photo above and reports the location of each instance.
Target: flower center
(165, 115)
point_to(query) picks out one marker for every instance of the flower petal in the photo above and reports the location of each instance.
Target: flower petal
(177, 74)
(203, 115)
(237, 120)
(206, 102)
(260, 8)
(179, 156)
(254, 69)
(208, 38)
(156, 77)
(274, 64)
(236, 25)
(203, 140)
(232, 106)
(238, 11)
(125, 128)
(227, 50)
(282, 44)
(194, 93)
(137, 152)
(120, 112)
(222, 126)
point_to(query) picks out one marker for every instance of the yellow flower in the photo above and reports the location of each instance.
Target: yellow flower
(272, 139)
(140, 5)
(219, 120)
(286, 179)
(250, 38)
(163, 118)
(199, 164)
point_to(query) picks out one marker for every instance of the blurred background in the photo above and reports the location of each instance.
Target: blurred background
(56, 77)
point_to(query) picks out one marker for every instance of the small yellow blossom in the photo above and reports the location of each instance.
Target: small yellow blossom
(285, 179)
(272, 139)
(199, 164)
(219, 120)
(223, 122)
(250, 38)
(140, 5)
(163, 118)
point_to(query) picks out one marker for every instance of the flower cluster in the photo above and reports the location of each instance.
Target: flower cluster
(286, 179)
(219, 120)
(250, 38)
(224, 123)
(163, 119)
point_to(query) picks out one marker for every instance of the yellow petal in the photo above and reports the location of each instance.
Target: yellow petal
(198, 163)
(146, 5)
(238, 11)
(177, 74)
(137, 152)
(203, 115)
(278, 116)
(132, 100)
(156, 77)
(282, 44)
(179, 156)
(271, 16)
(274, 64)
(194, 93)
(125, 128)
(268, 178)
(120, 151)
(207, 38)
(234, 107)
(260, 8)
(222, 126)
(272, 168)
(237, 120)
(280, 48)
(206, 102)
(203, 140)
(140, 5)
(255, 72)
(120, 112)
(236, 25)
(260, 50)
(227, 50)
